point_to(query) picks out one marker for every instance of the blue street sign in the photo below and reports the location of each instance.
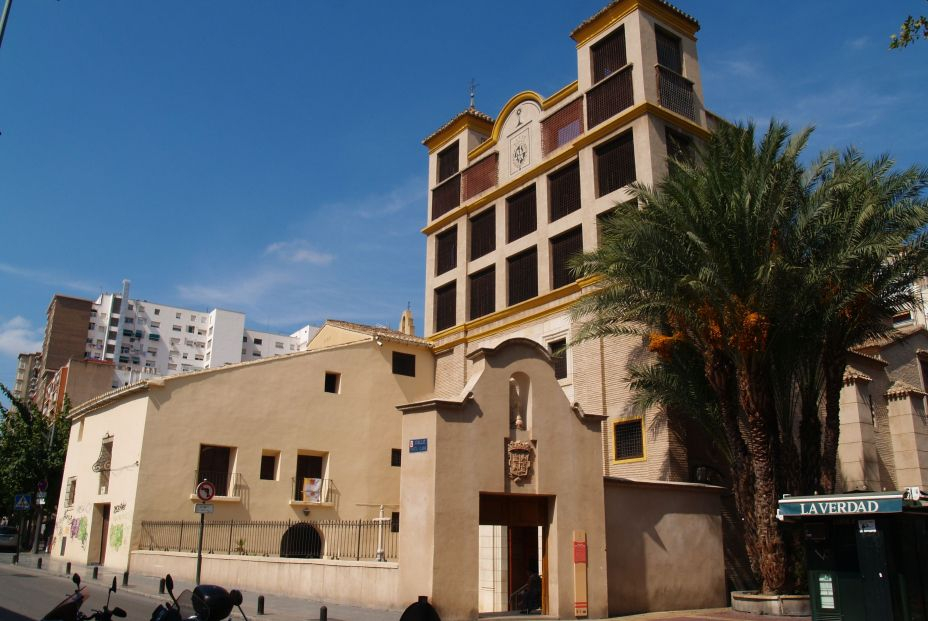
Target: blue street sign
(22, 502)
(419, 445)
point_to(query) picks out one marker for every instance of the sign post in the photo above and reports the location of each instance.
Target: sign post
(205, 492)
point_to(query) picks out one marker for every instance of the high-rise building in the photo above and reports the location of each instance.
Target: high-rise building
(513, 198)
(27, 375)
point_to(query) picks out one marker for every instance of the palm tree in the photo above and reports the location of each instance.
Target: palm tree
(761, 274)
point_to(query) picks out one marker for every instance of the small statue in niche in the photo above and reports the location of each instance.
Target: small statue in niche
(516, 421)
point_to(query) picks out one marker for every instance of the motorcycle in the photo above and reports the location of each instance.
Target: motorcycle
(207, 602)
(70, 608)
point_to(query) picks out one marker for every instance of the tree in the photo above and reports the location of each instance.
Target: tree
(751, 276)
(33, 447)
(912, 29)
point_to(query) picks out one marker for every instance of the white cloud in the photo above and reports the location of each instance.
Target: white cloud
(859, 43)
(298, 251)
(17, 336)
(48, 278)
(410, 193)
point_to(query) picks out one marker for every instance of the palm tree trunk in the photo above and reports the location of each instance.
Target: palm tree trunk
(834, 380)
(810, 438)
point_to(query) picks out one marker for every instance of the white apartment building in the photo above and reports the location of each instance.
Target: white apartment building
(144, 339)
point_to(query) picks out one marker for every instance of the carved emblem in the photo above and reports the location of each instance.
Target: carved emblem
(519, 151)
(520, 453)
(103, 462)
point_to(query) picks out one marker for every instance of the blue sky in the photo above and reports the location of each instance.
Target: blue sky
(265, 156)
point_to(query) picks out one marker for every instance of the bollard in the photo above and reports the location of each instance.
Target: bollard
(16, 558)
(260, 604)
(323, 614)
(95, 571)
(125, 578)
(161, 587)
(38, 563)
(67, 568)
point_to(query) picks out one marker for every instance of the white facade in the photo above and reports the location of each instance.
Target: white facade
(145, 339)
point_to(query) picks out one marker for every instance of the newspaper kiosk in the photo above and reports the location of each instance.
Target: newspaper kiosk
(866, 554)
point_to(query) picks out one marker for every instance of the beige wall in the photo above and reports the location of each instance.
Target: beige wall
(439, 545)
(664, 545)
(357, 583)
(84, 445)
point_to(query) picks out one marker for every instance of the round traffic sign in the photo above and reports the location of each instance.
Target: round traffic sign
(42, 485)
(206, 491)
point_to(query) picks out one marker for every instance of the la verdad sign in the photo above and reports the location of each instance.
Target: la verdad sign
(842, 505)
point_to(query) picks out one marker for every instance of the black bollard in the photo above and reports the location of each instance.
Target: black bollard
(16, 558)
(125, 578)
(95, 572)
(38, 563)
(67, 568)
(161, 587)
(260, 604)
(323, 614)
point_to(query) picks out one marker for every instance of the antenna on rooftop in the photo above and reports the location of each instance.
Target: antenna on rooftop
(473, 92)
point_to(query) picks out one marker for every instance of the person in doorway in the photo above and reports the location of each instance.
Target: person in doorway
(531, 600)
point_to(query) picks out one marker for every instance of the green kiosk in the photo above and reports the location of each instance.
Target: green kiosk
(866, 554)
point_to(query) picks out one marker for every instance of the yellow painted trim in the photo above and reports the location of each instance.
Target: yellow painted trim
(644, 441)
(560, 96)
(440, 139)
(620, 11)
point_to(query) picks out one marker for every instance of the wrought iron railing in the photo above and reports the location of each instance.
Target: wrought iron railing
(610, 96)
(316, 491)
(332, 539)
(227, 483)
(446, 196)
(676, 93)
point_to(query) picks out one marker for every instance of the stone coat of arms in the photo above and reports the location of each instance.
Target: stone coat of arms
(521, 453)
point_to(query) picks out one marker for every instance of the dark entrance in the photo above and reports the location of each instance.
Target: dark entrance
(214, 467)
(526, 517)
(99, 533)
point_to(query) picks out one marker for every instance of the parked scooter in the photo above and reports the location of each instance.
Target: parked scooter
(207, 602)
(70, 608)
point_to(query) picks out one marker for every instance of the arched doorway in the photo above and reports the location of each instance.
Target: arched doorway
(301, 540)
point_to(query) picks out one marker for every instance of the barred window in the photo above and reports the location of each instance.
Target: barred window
(615, 164)
(71, 491)
(446, 250)
(445, 311)
(564, 191)
(563, 248)
(562, 126)
(668, 50)
(628, 439)
(608, 55)
(446, 196)
(521, 214)
(448, 162)
(482, 293)
(480, 176)
(483, 233)
(679, 146)
(404, 364)
(559, 357)
(523, 276)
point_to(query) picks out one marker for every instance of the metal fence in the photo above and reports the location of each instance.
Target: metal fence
(331, 539)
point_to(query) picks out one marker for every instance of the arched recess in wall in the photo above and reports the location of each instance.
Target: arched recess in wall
(520, 401)
(301, 540)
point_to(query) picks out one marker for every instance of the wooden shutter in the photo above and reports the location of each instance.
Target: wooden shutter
(563, 247)
(521, 214)
(564, 191)
(523, 276)
(608, 55)
(448, 162)
(482, 293)
(483, 233)
(445, 299)
(446, 250)
(615, 164)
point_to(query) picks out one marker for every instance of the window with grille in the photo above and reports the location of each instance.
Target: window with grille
(482, 293)
(563, 248)
(521, 214)
(404, 364)
(523, 276)
(608, 55)
(480, 176)
(445, 298)
(615, 164)
(446, 196)
(668, 50)
(602, 221)
(483, 233)
(558, 351)
(395, 522)
(448, 162)
(679, 146)
(71, 491)
(562, 126)
(446, 250)
(564, 191)
(628, 439)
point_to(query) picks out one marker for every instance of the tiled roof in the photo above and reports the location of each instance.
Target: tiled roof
(378, 331)
(685, 16)
(901, 389)
(896, 335)
(477, 114)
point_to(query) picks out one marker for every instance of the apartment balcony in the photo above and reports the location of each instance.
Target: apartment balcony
(311, 491)
(610, 96)
(676, 93)
(228, 484)
(446, 196)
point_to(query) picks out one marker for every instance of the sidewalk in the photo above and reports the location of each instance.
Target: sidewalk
(280, 608)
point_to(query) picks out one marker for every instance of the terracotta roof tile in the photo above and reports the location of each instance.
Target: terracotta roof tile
(378, 331)
(477, 114)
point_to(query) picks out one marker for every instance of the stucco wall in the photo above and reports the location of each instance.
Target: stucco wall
(664, 546)
(367, 584)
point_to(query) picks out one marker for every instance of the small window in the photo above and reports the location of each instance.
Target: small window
(564, 191)
(521, 214)
(404, 364)
(559, 357)
(191, 329)
(523, 276)
(332, 381)
(445, 306)
(156, 324)
(483, 233)
(482, 293)
(71, 492)
(157, 311)
(628, 439)
(563, 248)
(396, 457)
(448, 162)
(668, 51)
(608, 55)
(446, 250)
(278, 345)
(176, 315)
(395, 522)
(176, 328)
(680, 146)
(244, 339)
(258, 341)
(269, 466)
(615, 164)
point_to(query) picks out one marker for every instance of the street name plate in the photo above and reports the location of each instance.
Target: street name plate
(203, 507)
